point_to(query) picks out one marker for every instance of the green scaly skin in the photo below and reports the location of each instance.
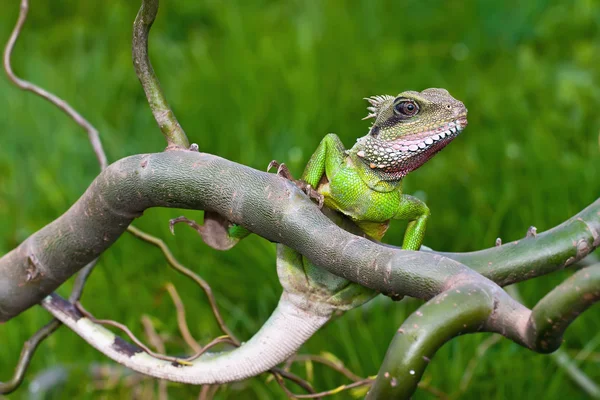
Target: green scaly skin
(364, 184)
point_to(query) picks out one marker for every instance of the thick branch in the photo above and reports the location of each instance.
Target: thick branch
(451, 313)
(474, 307)
(537, 255)
(266, 204)
(163, 114)
(554, 313)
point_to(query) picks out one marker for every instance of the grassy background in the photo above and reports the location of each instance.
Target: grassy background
(257, 80)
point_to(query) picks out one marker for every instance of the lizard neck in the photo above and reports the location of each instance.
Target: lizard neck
(378, 181)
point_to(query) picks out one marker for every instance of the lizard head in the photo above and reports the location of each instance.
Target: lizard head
(409, 129)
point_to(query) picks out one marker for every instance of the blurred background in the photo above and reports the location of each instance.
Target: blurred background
(258, 80)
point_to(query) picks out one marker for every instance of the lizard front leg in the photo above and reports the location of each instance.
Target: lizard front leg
(417, 212)
(326, 160)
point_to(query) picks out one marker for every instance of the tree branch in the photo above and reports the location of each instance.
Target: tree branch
(163, 114)
(537, 255)
(451, 313)
(554, 313)
(57, 101)
(266, 204)
(27, 352)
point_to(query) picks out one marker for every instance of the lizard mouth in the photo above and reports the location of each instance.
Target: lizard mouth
(401, 156)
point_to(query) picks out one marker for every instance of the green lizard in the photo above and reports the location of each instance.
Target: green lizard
(364, 184)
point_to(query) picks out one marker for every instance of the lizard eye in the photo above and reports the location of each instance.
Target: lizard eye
(406, 107)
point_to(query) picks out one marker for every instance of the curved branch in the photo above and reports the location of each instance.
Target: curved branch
(285, 331)
(27, 352)
(537, 255)
(474, 307)
(57, 101)
(268, 205)
(163, 114)
(264, 203)
(554, 313)
(457, 311)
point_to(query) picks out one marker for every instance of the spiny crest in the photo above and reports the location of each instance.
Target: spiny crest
(376, 103)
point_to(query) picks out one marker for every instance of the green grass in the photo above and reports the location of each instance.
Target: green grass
(259, 80)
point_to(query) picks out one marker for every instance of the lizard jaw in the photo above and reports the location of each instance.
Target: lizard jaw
(394, 159)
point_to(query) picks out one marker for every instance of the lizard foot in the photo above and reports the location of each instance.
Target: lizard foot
(284, 172)
(214, 232)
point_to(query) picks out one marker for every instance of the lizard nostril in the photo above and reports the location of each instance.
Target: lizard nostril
(460, 109)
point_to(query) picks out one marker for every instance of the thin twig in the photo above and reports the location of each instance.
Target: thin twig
(181, 320)
(163, 114)
(58, 102)
(587, 356)
(364, 382)
(208, 392)
(139, 343)
(27, 352)
(153, 337)
(336, 366)
(292, 378)
(31, 345)
(281, 384)
(80, 280)
(211, 344)
(204, 392)
(128, 332)
(470, 370)
(209, 293)
(190, 274)
(159, 345)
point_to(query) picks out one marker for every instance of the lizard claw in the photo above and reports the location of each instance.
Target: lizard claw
(312, 193)
(272, 164)
(284, 172)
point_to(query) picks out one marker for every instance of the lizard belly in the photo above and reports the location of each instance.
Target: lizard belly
(346, 192)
